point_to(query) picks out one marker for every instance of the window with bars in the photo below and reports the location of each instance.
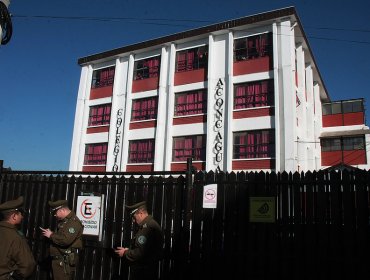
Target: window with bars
(254, 94)
(193, 146)
(252, 47)
(343, 143)
(100, 115)
(192, 59)
(141, 151)
(144, 109)
(103, 77)
(96, 154)
(191, 102)
(147, 68)
(254, 144)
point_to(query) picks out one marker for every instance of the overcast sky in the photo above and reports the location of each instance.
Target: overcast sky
(39, 74)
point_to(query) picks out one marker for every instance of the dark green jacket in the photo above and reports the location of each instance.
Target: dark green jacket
(146, 247)
(15, 254)
(68, 235)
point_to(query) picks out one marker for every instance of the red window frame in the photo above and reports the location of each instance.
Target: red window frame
(141, 151)
(192, 146)
(100, 115)
(96, 154)
(254, 144)
(144, 109)
(103, 77)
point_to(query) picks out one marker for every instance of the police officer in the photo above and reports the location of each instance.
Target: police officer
(16, 259)
(65, 242)
(146, 248)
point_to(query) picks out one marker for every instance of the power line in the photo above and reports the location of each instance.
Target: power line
(169, 22)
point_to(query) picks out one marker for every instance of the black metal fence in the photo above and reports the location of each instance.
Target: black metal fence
(320, 229)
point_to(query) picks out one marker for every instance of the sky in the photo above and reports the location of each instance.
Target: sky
(39, 73)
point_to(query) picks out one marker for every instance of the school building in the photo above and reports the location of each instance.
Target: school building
(244, 94)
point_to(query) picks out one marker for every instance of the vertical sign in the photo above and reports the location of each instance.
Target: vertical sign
(89, 211)
(219, 124)
(210, 196)
(117, 143)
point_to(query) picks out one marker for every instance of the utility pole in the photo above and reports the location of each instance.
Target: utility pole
(6, 28)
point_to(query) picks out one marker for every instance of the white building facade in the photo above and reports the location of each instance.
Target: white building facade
(245, 94)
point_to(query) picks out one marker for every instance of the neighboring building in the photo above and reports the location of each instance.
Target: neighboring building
(245, 94)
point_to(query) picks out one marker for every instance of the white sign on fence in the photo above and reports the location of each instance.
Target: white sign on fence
(89, 212)
(210, 196)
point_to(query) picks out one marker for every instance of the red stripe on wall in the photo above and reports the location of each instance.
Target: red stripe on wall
(353, 157)
(97, 129)
(146, 124)
(261, 64)
(343, 119)
(182, 166)
(188, 77)
(102, 92)
(140, 168)
(89, 168)
(253, 164)
(253, 113)
(145, 84)
(190, 120)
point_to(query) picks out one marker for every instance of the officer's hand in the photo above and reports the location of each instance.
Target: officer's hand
(120, 251)
(46, 232)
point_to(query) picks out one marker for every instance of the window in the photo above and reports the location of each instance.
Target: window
(103, 77)
(96, 154)
(331, 144)
(254, 144)
(339, 107)
(147, 68)
(141, 151)
(144, 109)
(353, 143)
(348, 144)
(252, 47)
(352, 106)
(254, 94)
(99, 115)
(190, 103)
(185, 147)
(192, 59)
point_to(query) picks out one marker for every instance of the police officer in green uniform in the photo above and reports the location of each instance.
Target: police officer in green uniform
(146, 248)
(65, 242)
(16, 259)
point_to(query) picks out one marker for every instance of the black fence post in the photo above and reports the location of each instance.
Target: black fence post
(1, 166)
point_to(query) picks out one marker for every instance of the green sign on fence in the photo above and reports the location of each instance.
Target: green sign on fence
(262, 209)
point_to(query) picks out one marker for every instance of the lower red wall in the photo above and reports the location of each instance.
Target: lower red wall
(140, 168)
(349, 157)
(91, 168)
(181, 166)
(253, 164)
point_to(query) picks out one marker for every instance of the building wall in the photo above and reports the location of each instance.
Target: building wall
(297, 127)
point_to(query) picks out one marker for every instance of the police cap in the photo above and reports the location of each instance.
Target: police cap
(135, 207)
(12, 205)
(55, 205)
